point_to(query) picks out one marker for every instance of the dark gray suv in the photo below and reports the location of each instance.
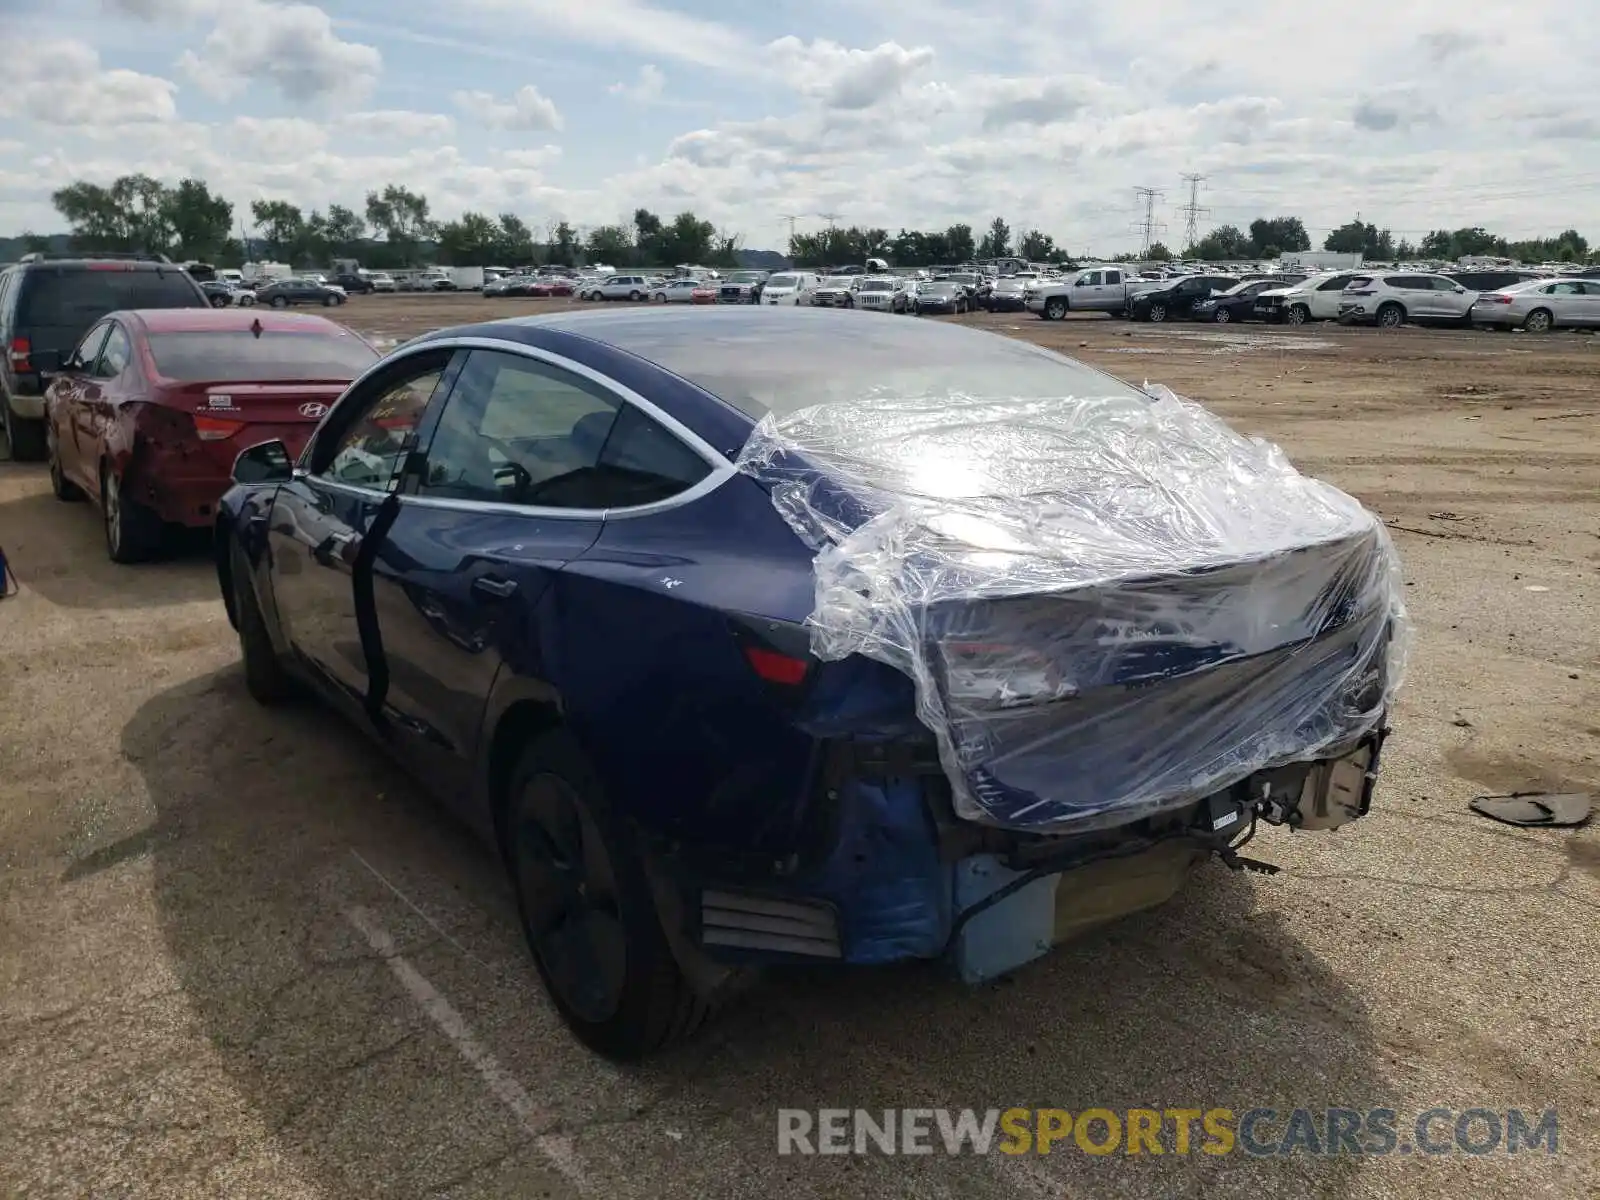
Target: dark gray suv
(47, 304)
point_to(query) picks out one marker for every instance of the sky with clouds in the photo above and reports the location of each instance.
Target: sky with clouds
(914, 113)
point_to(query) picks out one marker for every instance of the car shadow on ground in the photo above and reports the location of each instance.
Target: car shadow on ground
(58, 550)
(274, 827)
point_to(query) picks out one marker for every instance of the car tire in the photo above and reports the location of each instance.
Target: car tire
(280, 302)
(1156, 313)
(219, 302)
(587, 909)
(329, 301)
(264, 677)
(1055, 309)
(25, 436)
(1222, 317)
(636, 295)
(660, 297)
(133, 532)
(1391, 316)
(1298, 314)
(1540, 320)
(61, 487)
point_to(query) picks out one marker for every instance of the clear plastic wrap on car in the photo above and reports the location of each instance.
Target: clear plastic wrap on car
(1110, 605)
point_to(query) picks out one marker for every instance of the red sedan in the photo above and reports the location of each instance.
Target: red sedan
(551, 287)
(147, 414)
(705, 294)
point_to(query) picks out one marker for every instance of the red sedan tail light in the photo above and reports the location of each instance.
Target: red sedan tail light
(21, 349)
(215, 429)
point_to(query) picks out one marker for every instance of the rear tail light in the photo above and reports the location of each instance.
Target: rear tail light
(21, 348)
(777, 668)
(215, 429)
(1494, 299)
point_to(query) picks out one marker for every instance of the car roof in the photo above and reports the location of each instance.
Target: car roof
(740, 353)
(226, 320)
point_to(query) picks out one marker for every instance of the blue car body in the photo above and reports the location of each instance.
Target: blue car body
(791, 809)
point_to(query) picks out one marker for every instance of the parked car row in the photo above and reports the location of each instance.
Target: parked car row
(1497, 299)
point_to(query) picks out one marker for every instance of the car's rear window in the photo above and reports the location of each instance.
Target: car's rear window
(237, 356)
(782, 281)
(76, 297)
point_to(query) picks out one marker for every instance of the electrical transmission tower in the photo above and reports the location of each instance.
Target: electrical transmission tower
(830, 218)
(791, 218)
(1149, 227)
(1192, 212)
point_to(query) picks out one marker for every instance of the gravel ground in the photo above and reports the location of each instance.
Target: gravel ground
(240, 955)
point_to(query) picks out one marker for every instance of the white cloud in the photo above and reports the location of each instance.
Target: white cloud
(62, 83)
(619, 25)
(848, 79)
(292, 47)
(161, 10)
(531, 158)
(528, 109)
(275, 139)
(397, 124)
(648, 87)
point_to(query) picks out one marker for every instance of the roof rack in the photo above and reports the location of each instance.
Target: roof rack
(93, 255)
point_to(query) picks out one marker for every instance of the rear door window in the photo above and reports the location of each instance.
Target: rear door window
(1336, 284)
(520, 431)
(115, 355)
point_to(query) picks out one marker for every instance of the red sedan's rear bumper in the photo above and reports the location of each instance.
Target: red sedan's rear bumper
(182, 484)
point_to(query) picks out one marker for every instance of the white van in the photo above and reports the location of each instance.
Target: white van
(789, 287)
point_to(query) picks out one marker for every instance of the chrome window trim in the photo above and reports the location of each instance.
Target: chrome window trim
(721, 468)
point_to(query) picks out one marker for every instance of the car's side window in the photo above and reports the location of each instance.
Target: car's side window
(370, 450)
(1336, 284)
(512, 426)
(83, 356)
(520, 431)
(1113, 276)
(114, 355)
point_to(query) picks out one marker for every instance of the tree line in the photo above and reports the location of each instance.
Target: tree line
(137, 213)
(920, 248)
(187, 221)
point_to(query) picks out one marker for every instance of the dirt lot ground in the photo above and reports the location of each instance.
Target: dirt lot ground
(241, 956)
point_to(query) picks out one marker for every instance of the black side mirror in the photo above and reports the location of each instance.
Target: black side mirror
(265, 462)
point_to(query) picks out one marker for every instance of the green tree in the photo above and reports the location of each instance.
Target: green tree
(282, 226)
(201, 224)
(1035, 246)
(1159, 253)
(959, 244)
(1282, 234)
(610, 245)
(563, 245)
(997, 242)
(513, 241)
(94, 216)
(1225, 243)
(401, 216)
(471, 241)
(649, 238)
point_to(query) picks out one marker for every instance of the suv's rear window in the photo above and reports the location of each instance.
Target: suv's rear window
(77, 297)
(237, 356)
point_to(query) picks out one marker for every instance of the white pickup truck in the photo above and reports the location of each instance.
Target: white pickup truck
(1091, 289)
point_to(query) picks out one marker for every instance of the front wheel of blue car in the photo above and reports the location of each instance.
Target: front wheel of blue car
(587, 909)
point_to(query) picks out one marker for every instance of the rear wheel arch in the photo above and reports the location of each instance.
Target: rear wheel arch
(222, 557)
(516, 727)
